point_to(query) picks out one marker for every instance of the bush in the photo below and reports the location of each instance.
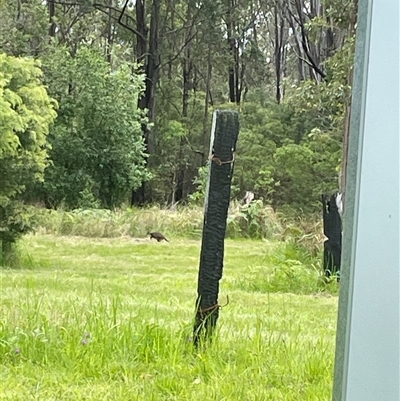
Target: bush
(97, 149)
(252, 221)
(26, 112)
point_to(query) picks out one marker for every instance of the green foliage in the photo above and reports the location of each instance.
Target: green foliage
(97, 147)
(200, 181)
(253, 221)
(285, 158)
(302, 172)
(23, 28)
(26, 112)
(325, 102)
(97, 154)
(179, 142)
(165, 163)
(287, 267)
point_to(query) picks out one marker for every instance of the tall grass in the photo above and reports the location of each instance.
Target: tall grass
(255, 221)
(109, 319)
(101, 223)
(287, 268)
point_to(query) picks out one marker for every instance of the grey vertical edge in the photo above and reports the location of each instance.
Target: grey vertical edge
(352, 195)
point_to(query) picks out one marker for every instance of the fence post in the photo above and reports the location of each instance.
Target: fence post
(224, 134)
(333, 231)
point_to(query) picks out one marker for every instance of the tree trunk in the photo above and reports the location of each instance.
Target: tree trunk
(147, 54)
(110, 34)
(187, 68)
(300, 55)
(172, 45)
(231, 73)
(152, 72)
(279, 30)
(316, 73)
(233, 69)
(52, 13)
(6, 250)
(138, 195)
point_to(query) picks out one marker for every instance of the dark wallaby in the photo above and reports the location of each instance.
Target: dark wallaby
(158, 236)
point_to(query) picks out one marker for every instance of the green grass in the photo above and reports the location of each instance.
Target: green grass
(109, 319)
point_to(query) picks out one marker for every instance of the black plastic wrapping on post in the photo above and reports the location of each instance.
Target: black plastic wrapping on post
(333, 231)
(222, 148)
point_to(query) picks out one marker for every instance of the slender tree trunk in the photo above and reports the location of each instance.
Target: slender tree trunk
(330, 39)
(316, 72)
(173, 41)
(187, 68)
(138, 195)
(187, 65)
(299, 47)
(237, 73)
(152, 71)
(231, 73)
(6, 249)
(233, 69)
(19, 18)
(52, 13)
(234, 72)
(110, 34)
(279, 30)
(147, 54)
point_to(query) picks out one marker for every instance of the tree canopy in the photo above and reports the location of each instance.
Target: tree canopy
(97, 150)
(136, 83)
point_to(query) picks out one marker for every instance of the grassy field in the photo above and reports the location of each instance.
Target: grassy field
(109, 319)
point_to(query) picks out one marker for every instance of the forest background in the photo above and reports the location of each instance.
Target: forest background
(108, 103)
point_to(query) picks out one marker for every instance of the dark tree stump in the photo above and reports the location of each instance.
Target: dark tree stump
(222, 148)
(333, 231)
